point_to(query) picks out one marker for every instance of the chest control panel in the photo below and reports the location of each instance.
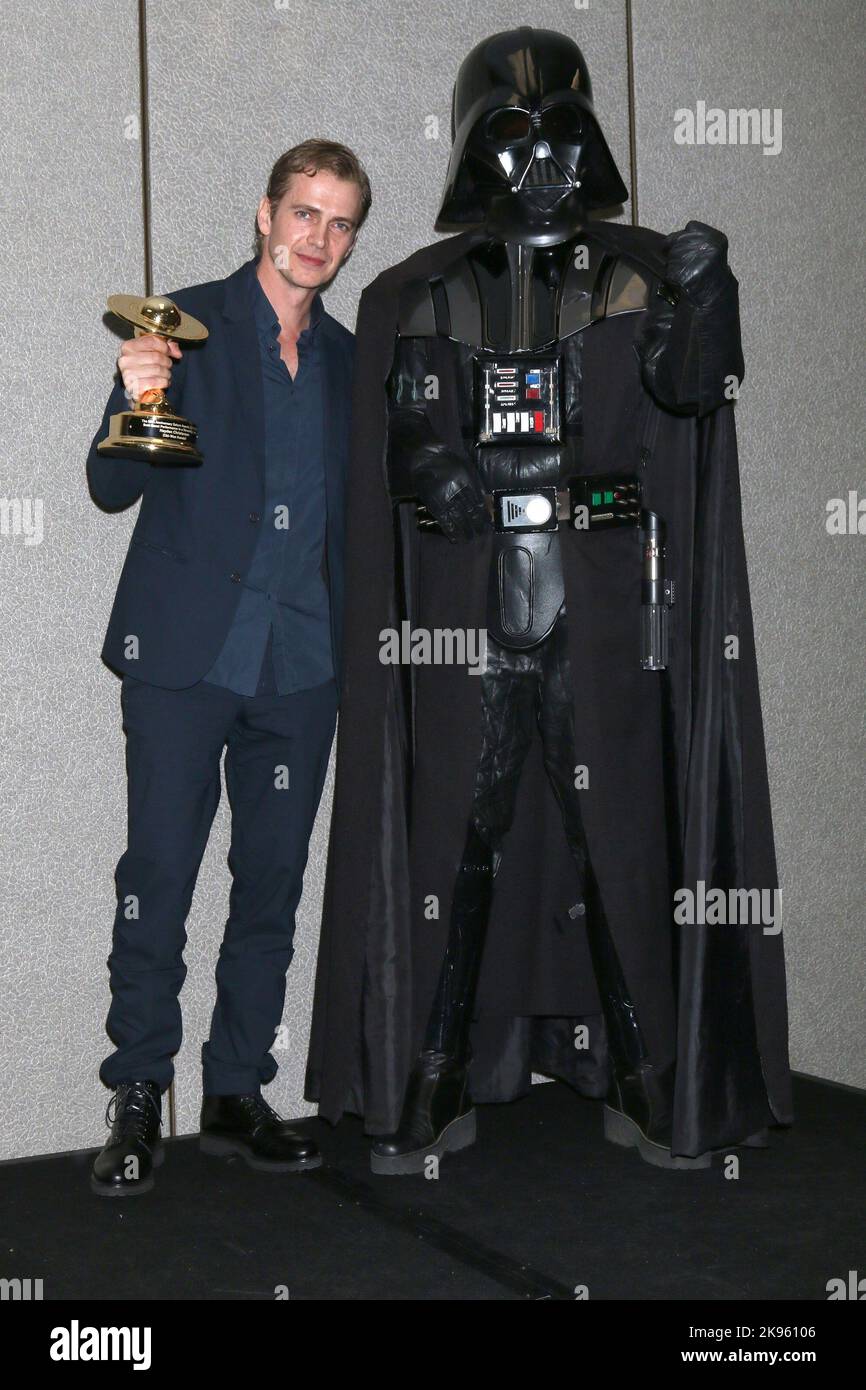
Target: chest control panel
(517, 399)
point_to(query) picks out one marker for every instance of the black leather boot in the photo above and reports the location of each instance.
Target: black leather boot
(246, 1125)
(450, 1017)
(124, 1166)
(638, 1112)
(436, 1118)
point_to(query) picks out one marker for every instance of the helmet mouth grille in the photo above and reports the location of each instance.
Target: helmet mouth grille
(545, 173)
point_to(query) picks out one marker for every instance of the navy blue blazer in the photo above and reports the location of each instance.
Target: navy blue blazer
(198, 524)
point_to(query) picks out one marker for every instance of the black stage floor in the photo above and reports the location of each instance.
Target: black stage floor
(539, 1207)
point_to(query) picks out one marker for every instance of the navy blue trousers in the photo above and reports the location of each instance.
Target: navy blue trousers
(277, 749)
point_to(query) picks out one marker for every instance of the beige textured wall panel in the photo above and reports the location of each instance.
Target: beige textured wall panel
(257, 79)
(72, 233)
(794, 220)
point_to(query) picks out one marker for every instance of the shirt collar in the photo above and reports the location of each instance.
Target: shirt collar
(267, 323)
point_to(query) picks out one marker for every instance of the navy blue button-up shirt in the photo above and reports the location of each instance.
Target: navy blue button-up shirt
(283, 611)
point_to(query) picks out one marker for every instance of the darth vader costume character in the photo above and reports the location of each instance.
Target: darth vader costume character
(544, 453)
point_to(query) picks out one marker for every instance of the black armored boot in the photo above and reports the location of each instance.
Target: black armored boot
(124, 1166)
(246, 1125)
(638, 1114)
(437, 1118)
(638, 1111)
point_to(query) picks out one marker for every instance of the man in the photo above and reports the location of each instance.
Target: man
(226, 629)
(556, 391)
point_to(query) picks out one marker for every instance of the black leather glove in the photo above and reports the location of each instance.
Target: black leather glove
(689, 346)
(421, 466)
(697, 263)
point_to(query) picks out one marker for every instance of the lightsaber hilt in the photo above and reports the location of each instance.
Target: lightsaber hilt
(657, 594)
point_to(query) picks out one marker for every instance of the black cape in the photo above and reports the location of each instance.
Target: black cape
(678, 781)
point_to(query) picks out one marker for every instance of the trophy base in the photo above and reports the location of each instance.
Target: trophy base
(157, 438)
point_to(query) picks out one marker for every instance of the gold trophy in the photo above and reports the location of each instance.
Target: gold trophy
(151, 430)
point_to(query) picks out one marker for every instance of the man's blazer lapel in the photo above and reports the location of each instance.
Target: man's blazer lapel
(247, 369)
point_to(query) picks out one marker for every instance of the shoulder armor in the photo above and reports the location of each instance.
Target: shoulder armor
(415, 314)
(448, 305)
(451, 305)
(609, 284)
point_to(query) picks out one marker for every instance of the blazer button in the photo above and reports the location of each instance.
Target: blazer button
(235, 577)
(254, 516)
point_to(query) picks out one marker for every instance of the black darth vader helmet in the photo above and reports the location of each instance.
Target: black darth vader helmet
(528, 156)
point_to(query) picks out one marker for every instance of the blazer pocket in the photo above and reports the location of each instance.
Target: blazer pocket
(160, 550)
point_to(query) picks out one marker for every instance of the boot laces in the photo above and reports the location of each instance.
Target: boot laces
(135, 1105)
(260, 1111)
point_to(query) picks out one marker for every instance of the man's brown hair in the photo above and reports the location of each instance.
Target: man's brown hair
(310, 157)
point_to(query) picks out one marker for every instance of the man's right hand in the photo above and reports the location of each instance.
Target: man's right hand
(145, 363)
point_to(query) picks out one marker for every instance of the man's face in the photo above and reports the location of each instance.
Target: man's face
(313, 229)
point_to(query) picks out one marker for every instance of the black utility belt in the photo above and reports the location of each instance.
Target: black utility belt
(595, 503)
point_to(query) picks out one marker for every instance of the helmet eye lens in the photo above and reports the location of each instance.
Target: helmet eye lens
(561, 123)
(508, 126)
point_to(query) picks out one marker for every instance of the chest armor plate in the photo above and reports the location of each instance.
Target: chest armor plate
(500, 304)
